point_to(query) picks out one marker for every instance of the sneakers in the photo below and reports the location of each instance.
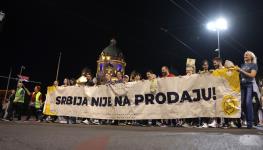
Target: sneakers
(5, 120)
(232, 125)
(86, 122)
(163, 126)
(129, 123)
(159, 124)
(122, 124)
(186, 125)
(244, 123)
(213, 124)
(149, 122)
(204, 125)
(63, 121)
(225, 126)
(96, 122)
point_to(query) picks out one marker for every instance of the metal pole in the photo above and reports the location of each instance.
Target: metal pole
(8, 81)
(21, 70)
(218, 43)
(58, 66)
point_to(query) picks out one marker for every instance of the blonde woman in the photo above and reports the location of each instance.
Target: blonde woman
(248, 73)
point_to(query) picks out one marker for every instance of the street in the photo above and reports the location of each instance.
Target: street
(53, 136)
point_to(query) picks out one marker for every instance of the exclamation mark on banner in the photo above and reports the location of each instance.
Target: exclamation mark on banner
(214, 93)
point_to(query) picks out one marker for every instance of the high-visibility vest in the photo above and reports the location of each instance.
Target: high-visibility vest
(20, 96)
(37, 100)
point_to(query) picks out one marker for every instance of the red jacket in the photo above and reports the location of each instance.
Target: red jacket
(170, 75)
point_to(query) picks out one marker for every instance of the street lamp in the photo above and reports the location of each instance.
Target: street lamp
(217, 25)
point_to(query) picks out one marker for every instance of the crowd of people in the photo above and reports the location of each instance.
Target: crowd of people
(251, 99)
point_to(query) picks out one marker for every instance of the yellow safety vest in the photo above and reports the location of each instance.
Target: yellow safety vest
(37, 100)
(19, 96)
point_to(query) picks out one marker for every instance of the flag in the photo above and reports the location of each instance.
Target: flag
(23, 78)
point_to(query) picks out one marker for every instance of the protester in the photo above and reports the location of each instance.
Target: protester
(119, 77)
(108, 79)
(132, 76)
(166, 72)
(90, 80)
(216, 122)
(171, 122)
(248, 72)
(250, 97)
(55, 83)
(188, 122)
(153, 88)
(53, 118)
(217, 62)
(19, 100)
(149, 75)
(35, 103)
(66, 82)
(89, 83)
(137, 77)
(9, 111)
(64, 119)
(126, 79)
(72, 119)
(205, 67)
(82, 80)
(72, 81)
(203, 122)
(189, 70)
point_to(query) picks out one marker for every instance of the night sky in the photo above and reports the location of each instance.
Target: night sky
(35, 31)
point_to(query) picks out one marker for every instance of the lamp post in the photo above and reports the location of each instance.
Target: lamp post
(217, 25)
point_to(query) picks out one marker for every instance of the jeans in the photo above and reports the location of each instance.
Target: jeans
(246, 101)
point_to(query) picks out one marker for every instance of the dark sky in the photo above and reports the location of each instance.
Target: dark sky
(35, 31)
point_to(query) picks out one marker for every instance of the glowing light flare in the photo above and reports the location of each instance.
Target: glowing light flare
(217, 25)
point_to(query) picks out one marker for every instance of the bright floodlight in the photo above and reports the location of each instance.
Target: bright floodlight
(211, 26)
(217, 25)
(221, 24)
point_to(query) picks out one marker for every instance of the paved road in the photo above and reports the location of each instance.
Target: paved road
(47, 136)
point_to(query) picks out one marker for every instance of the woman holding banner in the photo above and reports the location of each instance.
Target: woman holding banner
(248, 73)
(64, 119)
